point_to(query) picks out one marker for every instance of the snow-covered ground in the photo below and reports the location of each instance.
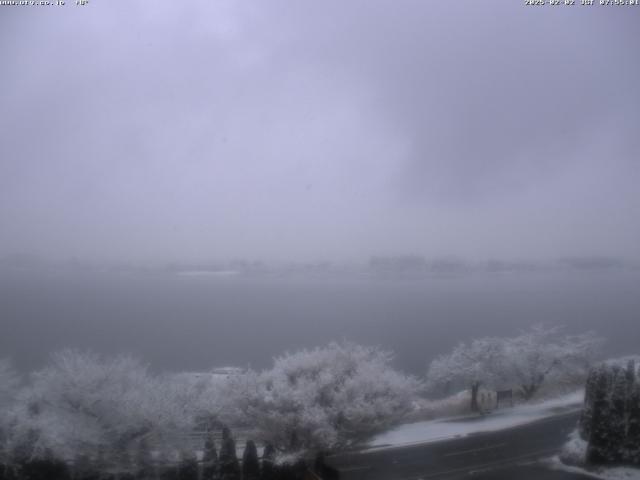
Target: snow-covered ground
(436, 430)
(601, 473)
(573, 457)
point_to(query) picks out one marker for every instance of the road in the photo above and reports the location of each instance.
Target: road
(483, 456)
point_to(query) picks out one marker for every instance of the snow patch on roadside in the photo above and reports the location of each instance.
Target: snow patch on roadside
(436, 430)
(573, 457)
(601, 473)
(574, 452)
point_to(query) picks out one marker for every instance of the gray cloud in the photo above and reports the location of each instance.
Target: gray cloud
(148, 130)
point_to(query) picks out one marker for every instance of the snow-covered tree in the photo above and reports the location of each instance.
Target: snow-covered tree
(228, 460)
(250, 463)
(524, 362)
(9, 384)
(470, 365)
(144, 459)
(210, 465)
(542, 353)
(267, 468)
(85, 405)
(325, 397)
(188, 466)
(611, 418)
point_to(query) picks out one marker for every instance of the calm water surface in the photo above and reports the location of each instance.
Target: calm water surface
(192, 323)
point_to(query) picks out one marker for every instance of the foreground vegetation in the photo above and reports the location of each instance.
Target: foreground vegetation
(88, 413)
(83, 407)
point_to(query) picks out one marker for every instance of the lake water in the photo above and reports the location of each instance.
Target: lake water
(193, 323)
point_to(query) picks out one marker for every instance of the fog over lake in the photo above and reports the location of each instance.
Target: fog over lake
(197, 322)
(146, 133)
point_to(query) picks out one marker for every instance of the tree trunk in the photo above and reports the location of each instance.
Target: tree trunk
(528, 391)
(474, 397)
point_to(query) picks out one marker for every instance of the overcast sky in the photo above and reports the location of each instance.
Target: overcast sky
(157, 130)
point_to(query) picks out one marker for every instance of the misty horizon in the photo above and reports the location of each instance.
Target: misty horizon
(142, 132)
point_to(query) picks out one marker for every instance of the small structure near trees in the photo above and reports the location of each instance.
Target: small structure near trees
(526, 361)
(503, 396)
